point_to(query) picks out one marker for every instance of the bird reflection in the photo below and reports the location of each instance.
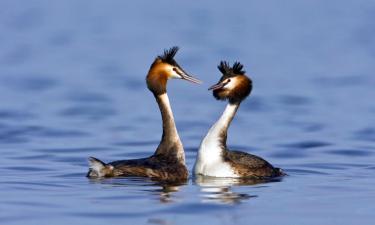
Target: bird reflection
(163, 190)
(213, 190)
(219, 190)
(166, 191)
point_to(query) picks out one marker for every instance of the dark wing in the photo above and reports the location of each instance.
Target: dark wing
(249, 165)
(246, 159)
(154, 167)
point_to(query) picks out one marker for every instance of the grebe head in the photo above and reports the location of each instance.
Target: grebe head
(163, 68)
(234, 85)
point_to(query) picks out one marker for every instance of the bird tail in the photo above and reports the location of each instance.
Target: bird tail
(280, 172)
(98, 169)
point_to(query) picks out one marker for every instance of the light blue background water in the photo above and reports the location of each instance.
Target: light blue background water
(72, 85)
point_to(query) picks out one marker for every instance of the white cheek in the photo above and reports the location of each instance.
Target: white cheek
(232, 84)
(229, 86)
(174, 75)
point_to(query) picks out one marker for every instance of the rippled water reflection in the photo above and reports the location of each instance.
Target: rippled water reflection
(72, 85)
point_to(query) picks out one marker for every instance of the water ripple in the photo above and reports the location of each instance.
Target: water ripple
(350, 152)
(15, 134)
(196, 208)
(33, 203)
(17, 55)
(31, 184)
(88, 111)
(28, 169)
(136, 143)
(255, 104)
(341, 81)
(289, 154)
(15, 115)
(71, 150)
(294, 100)
(88, 98)
(306, 144)
(304, 172)
(367, 134)
(26, 19)
(333, 166)
(31, 82)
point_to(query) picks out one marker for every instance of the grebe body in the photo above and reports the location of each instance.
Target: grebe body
(214, 158)
(168, 161)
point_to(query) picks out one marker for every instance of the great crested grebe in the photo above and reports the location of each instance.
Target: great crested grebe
(214, 158)
(168, 161)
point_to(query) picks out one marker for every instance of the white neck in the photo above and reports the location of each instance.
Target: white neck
(214, 143)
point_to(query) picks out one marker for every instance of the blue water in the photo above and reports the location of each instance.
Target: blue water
(72, 86)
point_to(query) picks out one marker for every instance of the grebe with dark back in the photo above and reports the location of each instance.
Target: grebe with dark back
(168, 161)
(214, 158)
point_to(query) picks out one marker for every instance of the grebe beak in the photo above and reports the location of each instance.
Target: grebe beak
(217, 86)
(186, 76)
(191, 79)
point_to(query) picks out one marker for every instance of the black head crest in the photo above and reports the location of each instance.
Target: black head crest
(242, 85)
(238, 68)
(224, 67)
(168, 55)
(229, 71)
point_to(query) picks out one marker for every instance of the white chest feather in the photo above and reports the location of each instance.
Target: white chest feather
(209, 159)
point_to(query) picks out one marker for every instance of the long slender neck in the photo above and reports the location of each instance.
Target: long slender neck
(215, 142)
(220, 128)
(170, 144)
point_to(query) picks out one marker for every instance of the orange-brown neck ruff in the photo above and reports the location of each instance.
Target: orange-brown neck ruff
(157, 78)
(242, 89)
(170, 145)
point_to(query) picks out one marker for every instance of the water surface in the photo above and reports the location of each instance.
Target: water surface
(72, 86)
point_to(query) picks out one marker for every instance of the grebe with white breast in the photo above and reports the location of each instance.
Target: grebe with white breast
(214, 158)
